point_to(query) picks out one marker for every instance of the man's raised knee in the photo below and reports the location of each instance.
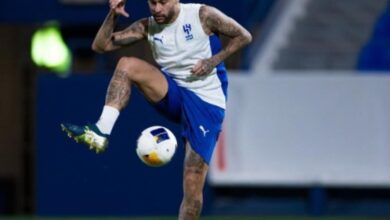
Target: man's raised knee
(128, 63)
(193, 185)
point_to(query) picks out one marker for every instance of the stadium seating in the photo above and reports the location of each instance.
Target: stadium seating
(327, 35)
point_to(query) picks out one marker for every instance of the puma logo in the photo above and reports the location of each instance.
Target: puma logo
(204, 131)
(159, 39)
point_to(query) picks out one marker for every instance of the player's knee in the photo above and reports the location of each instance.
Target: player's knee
(193, 186)
(128, 63)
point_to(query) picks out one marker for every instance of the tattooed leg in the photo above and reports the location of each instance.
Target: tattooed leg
(118, 92)
(195, 170)
(148, 79)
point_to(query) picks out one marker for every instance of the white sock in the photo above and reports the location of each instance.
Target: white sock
(107, 119)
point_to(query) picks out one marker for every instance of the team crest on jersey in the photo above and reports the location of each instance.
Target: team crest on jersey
(187, 30)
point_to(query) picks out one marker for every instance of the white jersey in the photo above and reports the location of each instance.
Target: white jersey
(178, 46)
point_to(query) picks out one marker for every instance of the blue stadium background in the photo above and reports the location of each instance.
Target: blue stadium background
(60, 178)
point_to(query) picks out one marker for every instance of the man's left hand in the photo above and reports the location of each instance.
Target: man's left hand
(203, 67)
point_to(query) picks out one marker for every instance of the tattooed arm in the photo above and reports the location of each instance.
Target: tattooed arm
(216, 22)
(107, 40)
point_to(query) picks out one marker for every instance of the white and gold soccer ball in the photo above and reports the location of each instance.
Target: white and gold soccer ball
(156, 146)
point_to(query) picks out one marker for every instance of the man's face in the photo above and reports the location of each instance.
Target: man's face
(163, 11)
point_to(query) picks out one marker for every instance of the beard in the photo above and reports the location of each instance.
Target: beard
(164, 19)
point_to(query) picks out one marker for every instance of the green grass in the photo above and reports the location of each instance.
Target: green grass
(203, 218)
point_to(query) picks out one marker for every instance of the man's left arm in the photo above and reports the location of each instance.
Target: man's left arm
(216, 22)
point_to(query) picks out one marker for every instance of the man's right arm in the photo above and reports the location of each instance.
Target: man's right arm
(107, 40)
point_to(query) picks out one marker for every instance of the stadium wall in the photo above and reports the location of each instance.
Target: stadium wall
(305, 129)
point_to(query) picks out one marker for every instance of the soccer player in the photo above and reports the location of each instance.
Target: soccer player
(189, 88)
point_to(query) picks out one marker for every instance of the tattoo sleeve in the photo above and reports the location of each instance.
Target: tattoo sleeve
(103, 36)
(215, 22)
(133, 33)
(107, 40)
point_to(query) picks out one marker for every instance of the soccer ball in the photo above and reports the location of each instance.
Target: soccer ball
(156, 146)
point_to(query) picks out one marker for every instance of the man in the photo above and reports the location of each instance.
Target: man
(190, 88)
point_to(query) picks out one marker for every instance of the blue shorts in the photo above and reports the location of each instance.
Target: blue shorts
(201, 121)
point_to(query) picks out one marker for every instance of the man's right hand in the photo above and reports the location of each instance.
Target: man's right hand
(118, 6)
